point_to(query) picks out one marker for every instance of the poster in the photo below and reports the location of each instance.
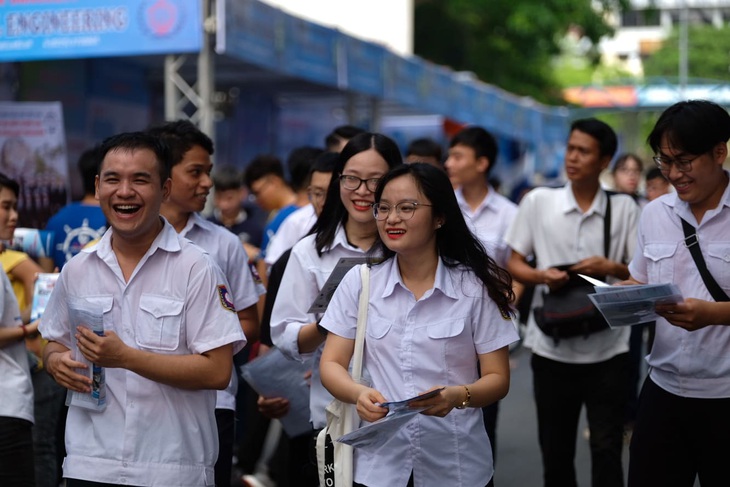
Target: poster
(33, 152)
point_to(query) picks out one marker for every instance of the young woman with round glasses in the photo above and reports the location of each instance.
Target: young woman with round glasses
(439, 311)
(345, 228)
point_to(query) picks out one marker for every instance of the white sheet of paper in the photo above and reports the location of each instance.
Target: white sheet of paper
(593, 281)
(633, 305)
(377, 434)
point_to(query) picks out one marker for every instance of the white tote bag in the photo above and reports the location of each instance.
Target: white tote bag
(334, 459)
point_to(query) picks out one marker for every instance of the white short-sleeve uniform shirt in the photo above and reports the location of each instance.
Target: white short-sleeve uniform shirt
(291, 231)
(551, 225)
(305, 275)
(412, 346)
(226, 250)
(490, 222)
(16, 389)
(686, 363)
(176, 302)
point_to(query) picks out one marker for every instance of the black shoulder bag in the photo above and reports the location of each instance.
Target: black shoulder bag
(568, 312)
(693, 244)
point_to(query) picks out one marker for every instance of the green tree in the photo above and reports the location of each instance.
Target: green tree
(708, 54)
(509, 43)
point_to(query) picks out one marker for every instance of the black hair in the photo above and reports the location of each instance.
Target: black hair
(338, 134)
(334, 213)
(262, 166)
(425, 147)
(624, 159)
(299, 163)
(456, 244)
(181, 136)
(694, 126)
(227, 177)
(601, 131)
(325, 162)
(482, 142)
(11, 184)
(88, 165)
(132, 141)
(654, 173)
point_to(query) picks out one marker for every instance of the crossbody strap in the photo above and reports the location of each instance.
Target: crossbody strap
(693, 244)
(607, 226)
(362, 319)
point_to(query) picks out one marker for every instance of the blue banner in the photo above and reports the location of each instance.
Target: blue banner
(56, 29)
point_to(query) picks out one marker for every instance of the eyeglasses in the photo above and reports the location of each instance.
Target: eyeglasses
(404, 209)
(682, 165)
(316, 194)
(353, 182)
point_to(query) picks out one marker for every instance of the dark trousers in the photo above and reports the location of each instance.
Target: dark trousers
(16, 453)
(561, 389)
(489, 413)
(678, 438)
(225, 421)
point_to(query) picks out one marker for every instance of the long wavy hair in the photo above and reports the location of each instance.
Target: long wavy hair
(455, 243)
(334, 212)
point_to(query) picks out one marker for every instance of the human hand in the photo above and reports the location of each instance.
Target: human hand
(691, 314)
(106, 351)
(442, 403)
(368, 405)
(273, 407)
(594, 266)
(62, 367)
(554, 278)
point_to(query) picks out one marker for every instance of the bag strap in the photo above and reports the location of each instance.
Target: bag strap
(693, 244)
(607, 225)
(362, 318)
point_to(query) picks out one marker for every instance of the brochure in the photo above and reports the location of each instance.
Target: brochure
(43, 288)
(633, 305)
(275, 375)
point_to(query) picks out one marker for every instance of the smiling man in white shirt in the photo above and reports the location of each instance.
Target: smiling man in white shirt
(170, 331)
(683, 424)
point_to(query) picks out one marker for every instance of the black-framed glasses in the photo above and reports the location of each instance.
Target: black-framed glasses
(404, 209)
(682, 165)
(353, 182)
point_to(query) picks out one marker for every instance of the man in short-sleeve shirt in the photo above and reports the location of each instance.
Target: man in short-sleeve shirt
(565, 226)
(169, 334)
(682, 424)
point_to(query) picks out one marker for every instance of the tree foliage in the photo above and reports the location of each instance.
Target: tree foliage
(708, 54)
(509, 43)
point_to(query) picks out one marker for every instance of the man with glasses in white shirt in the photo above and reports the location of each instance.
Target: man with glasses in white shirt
(683, 424)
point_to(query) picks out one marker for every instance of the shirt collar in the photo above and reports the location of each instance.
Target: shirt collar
(166, 240)
(195, 220)
(598, 205)
(341, 239)
(443, 281)
(487, 202)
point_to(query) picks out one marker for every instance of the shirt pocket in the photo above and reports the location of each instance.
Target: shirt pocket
(158, 322)
(377, 329)
(660, 265)
(448, 342)
(718, 262)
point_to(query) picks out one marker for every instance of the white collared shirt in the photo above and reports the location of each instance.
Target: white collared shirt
(412, 346)
(490, 222)
(686, 363)
(550, 225)
(150, 433)
(226, 250)
(291, 231)
(16, 389)
(305, 275)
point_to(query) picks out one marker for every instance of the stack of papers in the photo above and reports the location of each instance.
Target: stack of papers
(631, 305)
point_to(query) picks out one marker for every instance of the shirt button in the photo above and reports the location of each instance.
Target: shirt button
(124, 465)
(727, 258)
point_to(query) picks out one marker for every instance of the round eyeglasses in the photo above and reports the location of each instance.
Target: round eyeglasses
(352, 183)
(404, 209)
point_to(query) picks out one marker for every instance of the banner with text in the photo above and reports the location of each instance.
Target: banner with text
(54, 29)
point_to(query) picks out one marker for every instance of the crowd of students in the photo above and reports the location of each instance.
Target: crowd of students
(183, 300)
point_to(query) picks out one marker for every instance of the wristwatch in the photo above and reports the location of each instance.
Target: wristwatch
(467, 401)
